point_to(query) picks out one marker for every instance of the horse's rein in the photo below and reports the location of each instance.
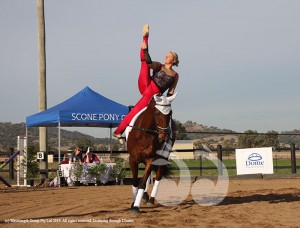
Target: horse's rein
(144, 129)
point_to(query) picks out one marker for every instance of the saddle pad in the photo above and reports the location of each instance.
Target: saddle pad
(128, 128)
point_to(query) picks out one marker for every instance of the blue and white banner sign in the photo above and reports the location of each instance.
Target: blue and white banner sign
(254, 161)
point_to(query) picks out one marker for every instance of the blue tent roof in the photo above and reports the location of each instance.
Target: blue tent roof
(86, 109)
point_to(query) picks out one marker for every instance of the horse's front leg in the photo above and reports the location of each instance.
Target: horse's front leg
(158, 178)
(134, 169)
(141, 187)
(146, 195)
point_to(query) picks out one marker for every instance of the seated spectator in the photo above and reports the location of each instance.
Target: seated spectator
(90, 157)
(65, 159)
(76, 156)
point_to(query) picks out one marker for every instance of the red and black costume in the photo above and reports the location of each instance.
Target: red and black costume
(148, 85)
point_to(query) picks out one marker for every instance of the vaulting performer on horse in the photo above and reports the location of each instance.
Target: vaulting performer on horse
(149, 123)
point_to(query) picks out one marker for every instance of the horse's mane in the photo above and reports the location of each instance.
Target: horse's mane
(147, 111)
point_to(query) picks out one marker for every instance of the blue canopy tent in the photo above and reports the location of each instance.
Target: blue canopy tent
(85, 109)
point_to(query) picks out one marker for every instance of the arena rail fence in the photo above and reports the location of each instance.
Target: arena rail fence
(219, 151)
(200, 167)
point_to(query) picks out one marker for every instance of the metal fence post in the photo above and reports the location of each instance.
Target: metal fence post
(293, 158)
(220, 168)
(200, 159)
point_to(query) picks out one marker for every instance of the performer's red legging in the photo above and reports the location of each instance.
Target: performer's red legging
(147, 88)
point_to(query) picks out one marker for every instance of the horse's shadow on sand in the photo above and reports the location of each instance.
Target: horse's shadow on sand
(271, 198)
(231, 200)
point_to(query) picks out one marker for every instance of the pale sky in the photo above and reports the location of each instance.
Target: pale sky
(239, 59)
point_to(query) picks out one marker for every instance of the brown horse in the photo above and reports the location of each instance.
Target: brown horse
(149, 134)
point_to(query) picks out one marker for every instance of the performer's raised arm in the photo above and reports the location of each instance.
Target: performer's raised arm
(155, 66)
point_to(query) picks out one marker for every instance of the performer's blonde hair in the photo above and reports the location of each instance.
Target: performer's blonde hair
(176, 59)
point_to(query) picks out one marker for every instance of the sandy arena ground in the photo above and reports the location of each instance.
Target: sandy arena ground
(249, 203)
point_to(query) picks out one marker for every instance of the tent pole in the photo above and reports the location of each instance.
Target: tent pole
(26, 152)
(110, 142)
(58, 142)
(58, 178)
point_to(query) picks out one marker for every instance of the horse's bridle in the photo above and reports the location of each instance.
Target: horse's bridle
(163, 129)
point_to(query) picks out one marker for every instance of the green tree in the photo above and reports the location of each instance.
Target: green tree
(252, 139)
(84, 143)
(248, 140)
(103, 148)
(32, 150)
(180, 135)
(270, 139)
(198, 144)
(115, 147)
(32, 164)
(226, 144)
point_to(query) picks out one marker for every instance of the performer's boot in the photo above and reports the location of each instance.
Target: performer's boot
(146, 30)
(119, 137)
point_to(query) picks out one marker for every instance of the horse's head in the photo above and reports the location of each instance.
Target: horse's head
(163, 115)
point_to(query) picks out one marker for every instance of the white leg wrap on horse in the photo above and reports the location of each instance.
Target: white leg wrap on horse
(134, 192)
(147, 184)
(138, 199)
(155, 189)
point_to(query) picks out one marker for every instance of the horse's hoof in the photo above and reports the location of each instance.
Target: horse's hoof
(135, 210)
(146, 197)
(151, 201)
